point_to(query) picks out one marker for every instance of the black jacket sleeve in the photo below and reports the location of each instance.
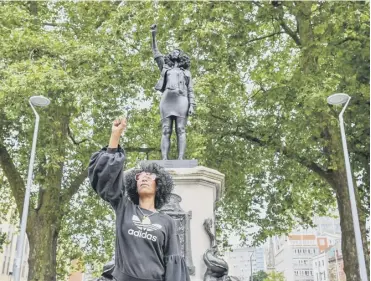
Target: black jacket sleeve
(106, 174)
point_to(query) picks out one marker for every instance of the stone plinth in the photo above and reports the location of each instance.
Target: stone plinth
(199, 188)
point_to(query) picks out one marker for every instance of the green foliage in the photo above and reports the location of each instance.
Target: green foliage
(262, 75)
(2, 241)
(259, 276)
(275, 276)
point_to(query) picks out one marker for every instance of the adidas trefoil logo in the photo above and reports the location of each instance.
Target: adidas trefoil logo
(144, 228)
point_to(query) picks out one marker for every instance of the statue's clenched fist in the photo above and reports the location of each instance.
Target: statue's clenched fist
(154, 28)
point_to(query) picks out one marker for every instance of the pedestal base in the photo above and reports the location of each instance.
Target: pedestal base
(199, 188)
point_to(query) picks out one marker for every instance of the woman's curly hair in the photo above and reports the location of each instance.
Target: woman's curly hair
(183, 59)
(164, 183)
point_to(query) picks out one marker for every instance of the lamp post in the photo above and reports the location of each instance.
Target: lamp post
(42, 102)
(252, 277)
(338, 99)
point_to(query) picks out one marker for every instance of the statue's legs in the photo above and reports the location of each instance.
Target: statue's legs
(167, 129)
(180, 124)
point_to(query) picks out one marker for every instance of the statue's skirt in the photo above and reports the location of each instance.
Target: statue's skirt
(173, 103)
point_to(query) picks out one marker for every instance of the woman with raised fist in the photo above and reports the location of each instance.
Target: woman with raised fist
(147, 244)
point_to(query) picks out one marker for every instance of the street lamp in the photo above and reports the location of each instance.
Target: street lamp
(42, 102)
(252, 277)
(338, 99)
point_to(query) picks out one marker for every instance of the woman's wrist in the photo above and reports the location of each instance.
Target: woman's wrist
(114, 141)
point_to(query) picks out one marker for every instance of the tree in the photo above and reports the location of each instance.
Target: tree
(259, 276)
(275, 276)
(262, 73)
(284, 136)
(61, 50)
(2, 241)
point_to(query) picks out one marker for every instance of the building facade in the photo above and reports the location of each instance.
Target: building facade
(8, 252)
(320, 267)
(335, 263)
(293, 256)
(304, 257)
(244, 261)
(326, 225)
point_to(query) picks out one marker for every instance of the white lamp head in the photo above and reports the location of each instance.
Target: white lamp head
(338, 98)
(39, 101)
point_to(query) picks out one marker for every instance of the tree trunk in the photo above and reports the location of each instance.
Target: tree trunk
(42, 259)
(42, 232)
(351, 266)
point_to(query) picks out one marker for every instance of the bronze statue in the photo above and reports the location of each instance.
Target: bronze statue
(177, 101)
(216, 267)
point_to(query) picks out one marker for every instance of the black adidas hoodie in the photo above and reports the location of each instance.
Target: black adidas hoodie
(144, 252)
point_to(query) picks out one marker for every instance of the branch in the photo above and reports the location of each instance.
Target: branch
(74, 186)
(134, 47)
(309, 164)
(72, 137)
(41, 199)
(250, 138)
(345, 40)
(289, 154)
(141, 149)
(263, 37)
(218, 117)
(15, 180)
(50, 24)
(146, 150)
(291, 33)
(286, 28)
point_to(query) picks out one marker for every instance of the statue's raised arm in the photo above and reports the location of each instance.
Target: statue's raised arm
(159, 58)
